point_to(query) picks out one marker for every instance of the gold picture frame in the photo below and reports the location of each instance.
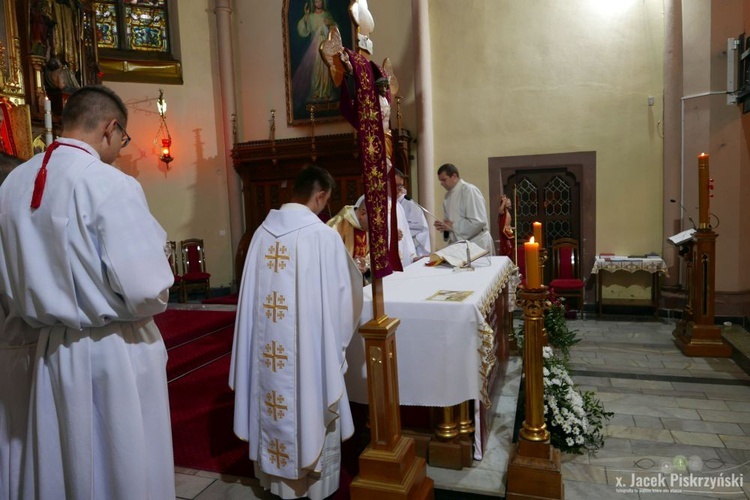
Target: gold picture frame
(309, 86)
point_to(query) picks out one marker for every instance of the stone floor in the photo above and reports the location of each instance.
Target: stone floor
(666, 406)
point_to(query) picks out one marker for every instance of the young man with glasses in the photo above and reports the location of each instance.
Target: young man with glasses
(83, 391)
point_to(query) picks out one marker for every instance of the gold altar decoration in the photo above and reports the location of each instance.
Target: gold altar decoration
(696, 334)
(534, 469)
(11, 70)
(19, 127)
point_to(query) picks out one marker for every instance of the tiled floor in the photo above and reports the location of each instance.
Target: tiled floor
(666, 405)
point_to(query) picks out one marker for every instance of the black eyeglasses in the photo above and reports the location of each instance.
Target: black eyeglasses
(125, 137)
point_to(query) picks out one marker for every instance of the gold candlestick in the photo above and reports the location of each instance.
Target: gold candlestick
(533, 303)
(534, 468)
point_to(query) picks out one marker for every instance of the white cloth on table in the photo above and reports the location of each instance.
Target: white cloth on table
(441, 359)
(80, 279)
(325, 297)
(464, 207)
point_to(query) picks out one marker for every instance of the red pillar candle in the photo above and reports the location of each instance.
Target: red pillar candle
(538, 233)
(533, 276)
(703, 191)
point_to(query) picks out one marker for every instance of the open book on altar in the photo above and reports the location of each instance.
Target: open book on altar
(456, 254)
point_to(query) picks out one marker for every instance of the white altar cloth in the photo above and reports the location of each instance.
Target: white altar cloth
(442, 346)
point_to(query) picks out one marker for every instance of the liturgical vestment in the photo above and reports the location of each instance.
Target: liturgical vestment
(464, 206)
(83, 388)
(299, 304)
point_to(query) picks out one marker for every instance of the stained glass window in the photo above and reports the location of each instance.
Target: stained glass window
(127, 25)
(134, 41)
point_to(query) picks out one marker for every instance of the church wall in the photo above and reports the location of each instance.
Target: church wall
(543, 77)
(548, 77)
(190, 200)
(711, 125)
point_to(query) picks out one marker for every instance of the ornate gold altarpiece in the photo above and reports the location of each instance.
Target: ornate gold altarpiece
(34, 36)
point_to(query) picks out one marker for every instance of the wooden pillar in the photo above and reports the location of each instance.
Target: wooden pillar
(534, 470)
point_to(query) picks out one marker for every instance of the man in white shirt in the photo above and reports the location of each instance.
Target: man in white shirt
(464, 211)
(84, 410)
(299, 305)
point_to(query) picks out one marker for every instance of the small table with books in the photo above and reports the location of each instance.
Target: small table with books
(614, 263)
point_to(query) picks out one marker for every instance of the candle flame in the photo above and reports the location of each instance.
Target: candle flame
(531, 240)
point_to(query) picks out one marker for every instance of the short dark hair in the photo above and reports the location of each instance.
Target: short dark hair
(399, 173)
(310, 179)
(91, 105)
(7, 163)
(448, 169)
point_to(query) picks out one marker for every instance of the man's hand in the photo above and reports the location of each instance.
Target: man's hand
(444, 225)
(400, 235)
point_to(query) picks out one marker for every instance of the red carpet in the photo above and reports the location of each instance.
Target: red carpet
(202, 408)
(203, 350)
(226, 299)
(178, 326)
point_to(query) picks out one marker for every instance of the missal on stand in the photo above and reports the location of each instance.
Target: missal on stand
(458, 254)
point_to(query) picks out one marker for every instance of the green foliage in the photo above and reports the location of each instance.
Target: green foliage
(559, 336)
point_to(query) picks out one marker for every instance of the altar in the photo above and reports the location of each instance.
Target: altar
(452, 342)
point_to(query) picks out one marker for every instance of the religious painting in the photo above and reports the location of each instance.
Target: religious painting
(309, 86)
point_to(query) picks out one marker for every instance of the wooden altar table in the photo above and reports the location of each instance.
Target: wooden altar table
(449, 352)
(654, 265)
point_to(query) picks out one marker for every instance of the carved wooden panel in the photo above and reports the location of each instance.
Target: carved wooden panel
(268, 168)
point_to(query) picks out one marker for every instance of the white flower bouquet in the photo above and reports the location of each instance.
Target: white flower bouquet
(574, 419)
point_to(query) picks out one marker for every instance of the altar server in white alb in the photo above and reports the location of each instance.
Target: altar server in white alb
(464, 211)
(84, 412)
(420, 230)
(299, 304)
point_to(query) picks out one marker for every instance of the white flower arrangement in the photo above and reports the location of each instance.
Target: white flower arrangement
(574, 419)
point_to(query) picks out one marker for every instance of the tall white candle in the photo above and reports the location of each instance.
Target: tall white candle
(48, 120)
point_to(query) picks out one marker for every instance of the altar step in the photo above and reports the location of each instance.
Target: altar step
(486, 478)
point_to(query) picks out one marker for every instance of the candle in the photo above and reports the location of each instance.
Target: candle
(47, 121)
(703, 191)
(538, 233)
(47, 113)
(533, 276)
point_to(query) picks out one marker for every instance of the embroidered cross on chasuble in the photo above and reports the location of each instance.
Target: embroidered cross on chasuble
(277, 343)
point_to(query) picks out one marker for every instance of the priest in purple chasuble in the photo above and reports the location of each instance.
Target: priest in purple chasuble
(299, 305)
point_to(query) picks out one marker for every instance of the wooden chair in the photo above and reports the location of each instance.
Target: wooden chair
(566, 270)
(194, 275)
(172, 258)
